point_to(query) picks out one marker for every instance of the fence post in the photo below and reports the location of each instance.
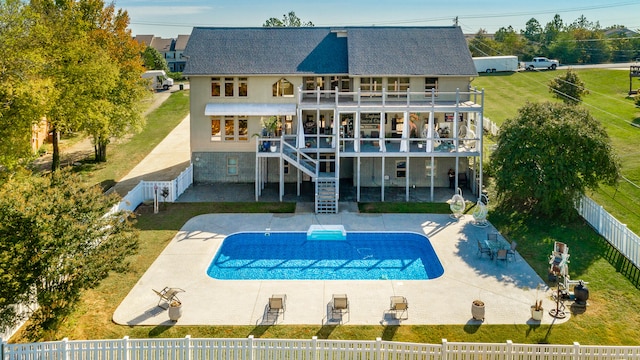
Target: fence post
(509, 350)
(125, 346)
(378, 354)
(314, 347)
(600, 211)
(576, 350)
(187, 340)
(64, 349)
(444, 351)
(250, 347)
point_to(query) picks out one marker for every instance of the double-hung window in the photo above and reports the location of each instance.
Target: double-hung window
(371, 86)
(229, 87)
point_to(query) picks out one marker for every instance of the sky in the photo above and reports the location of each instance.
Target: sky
(170, 18)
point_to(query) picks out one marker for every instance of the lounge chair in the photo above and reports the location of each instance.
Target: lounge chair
(399, 305)
(484, 249)
(492, 236)
(168, 294)
(340, 306)
(277, 304)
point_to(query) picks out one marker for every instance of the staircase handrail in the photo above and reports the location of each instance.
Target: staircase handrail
(299, 155)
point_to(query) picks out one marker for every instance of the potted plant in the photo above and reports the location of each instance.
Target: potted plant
(175, 310)
(537, 311)
(477, 310)
(271, 125)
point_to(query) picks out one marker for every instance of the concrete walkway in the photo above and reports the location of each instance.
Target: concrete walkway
(508, 290)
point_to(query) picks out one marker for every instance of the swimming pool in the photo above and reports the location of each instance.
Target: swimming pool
(290, 256)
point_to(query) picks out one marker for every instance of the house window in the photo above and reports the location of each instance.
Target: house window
(228, 87)
(216, 131)
(243, 129)
(431, 84)
(401, 169)
(286, 167)
(229, 128)
(343, 83)
(243, 84)
(282, 88)
(233, 128)
(371, 86)
(215, 86)
(232, 166)
(398, 86)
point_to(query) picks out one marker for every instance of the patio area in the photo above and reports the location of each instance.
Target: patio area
(508, 289)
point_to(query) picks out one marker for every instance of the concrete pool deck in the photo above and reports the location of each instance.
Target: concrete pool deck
(507, 289)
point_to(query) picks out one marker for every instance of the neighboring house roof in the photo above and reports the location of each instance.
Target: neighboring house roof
(181, 42)
(144, 39)
(162, 45)
(357, 51)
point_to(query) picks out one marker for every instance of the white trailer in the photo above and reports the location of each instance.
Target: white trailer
(491, 64)
(158, 79)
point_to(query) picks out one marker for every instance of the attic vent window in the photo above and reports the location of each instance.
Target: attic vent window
(340, 33)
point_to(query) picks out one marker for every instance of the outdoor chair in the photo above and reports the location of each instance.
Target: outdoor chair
(399, 305)
(484, 249)
(168, 294)
(277, 304)
(340, 306)
(502, 255)
(511, 252)
(492, 236)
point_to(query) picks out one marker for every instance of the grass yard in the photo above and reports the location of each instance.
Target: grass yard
(614, 311)
(607, 101)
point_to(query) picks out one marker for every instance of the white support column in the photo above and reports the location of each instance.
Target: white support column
(281, 176)
(407, 176)
(433, 163)
(382, 181)
(480, 133)
(358, 179)
(257, 179)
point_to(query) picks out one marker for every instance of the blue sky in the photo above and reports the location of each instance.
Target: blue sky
(170, 18)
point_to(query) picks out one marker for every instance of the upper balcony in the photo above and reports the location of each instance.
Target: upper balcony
(432, 100)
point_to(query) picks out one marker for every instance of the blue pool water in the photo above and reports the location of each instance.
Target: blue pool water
(290, 256)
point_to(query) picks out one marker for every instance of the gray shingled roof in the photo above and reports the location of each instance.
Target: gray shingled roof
(310, 50)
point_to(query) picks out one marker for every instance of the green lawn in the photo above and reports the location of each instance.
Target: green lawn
(607, 101)
(611, 318)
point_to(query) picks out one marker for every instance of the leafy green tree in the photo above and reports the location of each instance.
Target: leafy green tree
(533, 30)
(119, 110)
(24, 92)
(568, 88)
(288, 20)
(509, 41)
(552, 30)
(82, 42)
(548, 155)
(56, 242)
(482, 45)
(153, 59)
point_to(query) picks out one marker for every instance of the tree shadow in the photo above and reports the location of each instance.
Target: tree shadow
(389, 332)
(325, 331)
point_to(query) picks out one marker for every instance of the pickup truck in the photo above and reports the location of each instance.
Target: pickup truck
(540, 63)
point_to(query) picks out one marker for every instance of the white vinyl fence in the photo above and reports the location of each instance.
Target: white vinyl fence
(147, 190)
(616, 233)
(314, 349)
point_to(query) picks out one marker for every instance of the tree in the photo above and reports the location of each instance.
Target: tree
(482, 45)
(568, 88)
(533, 31)
(56, 242)
(119, 112)
(153, 60)
(548, 155)
(288, 20)
(24, 92)
(82, 41)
